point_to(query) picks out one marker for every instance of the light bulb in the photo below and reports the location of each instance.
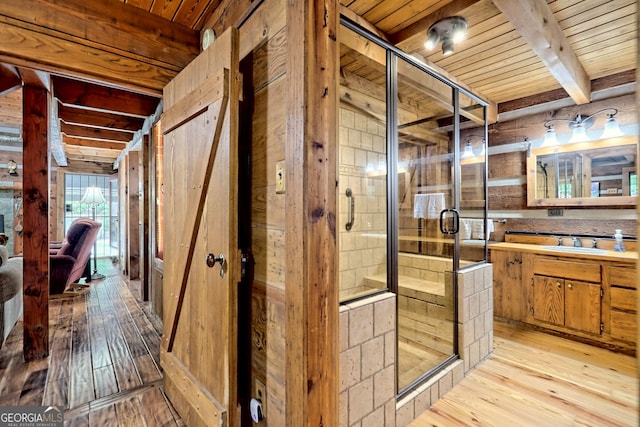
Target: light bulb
(458, 32)
(432, 39)
(447, 46)
(550, 138)
(579, 134)
(611, 128)
(468, 151)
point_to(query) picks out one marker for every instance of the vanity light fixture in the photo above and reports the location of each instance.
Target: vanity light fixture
(580, 126)
(468, 152)
(449, 31)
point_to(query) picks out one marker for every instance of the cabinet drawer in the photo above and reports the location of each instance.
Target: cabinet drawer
(622, 276)
(567, 269)
(623, 326)
(623, 299)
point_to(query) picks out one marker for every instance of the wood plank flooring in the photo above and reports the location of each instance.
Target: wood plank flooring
(535, 379)
(104, 360)
(104, 369)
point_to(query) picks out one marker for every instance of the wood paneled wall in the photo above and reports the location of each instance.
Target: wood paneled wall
(507, 177)
(292, 246)
(263, 65)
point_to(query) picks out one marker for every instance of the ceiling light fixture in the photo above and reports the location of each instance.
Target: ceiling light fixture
(580, 126)
(449, 30)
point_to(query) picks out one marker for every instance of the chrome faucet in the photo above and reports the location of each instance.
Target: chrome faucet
(560, 241)
(576, 242)
(595, 243)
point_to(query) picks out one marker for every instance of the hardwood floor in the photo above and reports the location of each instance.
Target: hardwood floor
(104, 369)
(104, 360)
(535, 379)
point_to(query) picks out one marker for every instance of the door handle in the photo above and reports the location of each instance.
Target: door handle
(449, 221)
(352, 209)
(213, 260)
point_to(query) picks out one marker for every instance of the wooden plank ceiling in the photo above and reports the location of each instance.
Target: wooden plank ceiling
(514, 50)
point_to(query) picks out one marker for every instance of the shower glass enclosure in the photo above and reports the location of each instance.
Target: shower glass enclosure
(412, 212)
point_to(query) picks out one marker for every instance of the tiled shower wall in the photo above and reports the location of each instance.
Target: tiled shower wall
(362, 168)
(368, 358)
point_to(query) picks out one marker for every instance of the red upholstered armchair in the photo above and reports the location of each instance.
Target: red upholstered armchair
(68, 263)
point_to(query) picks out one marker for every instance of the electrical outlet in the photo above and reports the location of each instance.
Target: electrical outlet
(280, 183)
(260, 393)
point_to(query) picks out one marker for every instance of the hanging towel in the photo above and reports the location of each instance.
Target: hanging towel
(428, 205)
(466, 228)
(420, 206)
(477, 227)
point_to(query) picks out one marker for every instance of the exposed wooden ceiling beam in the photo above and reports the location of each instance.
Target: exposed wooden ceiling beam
(95, 133)
(535, 22)
(57, 149)
(112, 25)
(613, 86)
(9, 79)
(101, 40)
(92, 143)
(98, 119)
(101, 98)
(86, 160)
(420, 27)
(352, 16)
(35, 78)
(79, 152)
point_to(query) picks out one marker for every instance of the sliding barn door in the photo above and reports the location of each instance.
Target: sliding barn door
(201, 262)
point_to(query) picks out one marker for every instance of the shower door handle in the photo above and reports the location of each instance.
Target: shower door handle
(449, 221)
(352, 209)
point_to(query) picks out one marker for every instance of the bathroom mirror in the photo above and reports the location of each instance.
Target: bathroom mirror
(593, 173)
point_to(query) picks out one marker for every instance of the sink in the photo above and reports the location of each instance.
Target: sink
(575, 250)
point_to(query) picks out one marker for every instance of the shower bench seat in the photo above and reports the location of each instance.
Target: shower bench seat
(412, 287)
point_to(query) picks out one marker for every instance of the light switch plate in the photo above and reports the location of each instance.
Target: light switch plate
(280, 177)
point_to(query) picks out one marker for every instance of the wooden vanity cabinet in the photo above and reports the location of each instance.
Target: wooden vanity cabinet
(623, 285)
(583, 303)
(576, 305)
(589, 298)
(562, 300)
(548, 299)
(511, 292)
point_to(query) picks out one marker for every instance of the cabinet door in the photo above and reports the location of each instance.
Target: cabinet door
(582, 306)
(548, 299)
(509, 291)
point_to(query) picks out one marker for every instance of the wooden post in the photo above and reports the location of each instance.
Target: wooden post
(311, 289)
(145, 249)
(35, 124)
(133, 202)
(123, 215)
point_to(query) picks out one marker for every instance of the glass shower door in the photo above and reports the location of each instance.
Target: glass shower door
(425, 223)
